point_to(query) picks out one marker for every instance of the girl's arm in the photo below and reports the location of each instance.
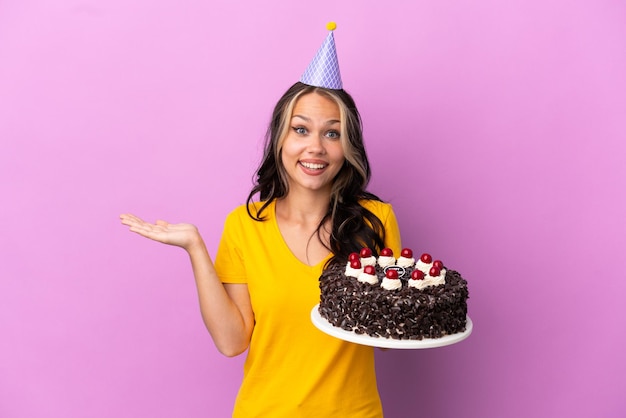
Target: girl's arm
(226, 308)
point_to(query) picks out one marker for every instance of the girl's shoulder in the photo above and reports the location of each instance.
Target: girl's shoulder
(377, 207)
(244, 211)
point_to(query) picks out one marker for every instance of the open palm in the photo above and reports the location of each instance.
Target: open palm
(181, 235)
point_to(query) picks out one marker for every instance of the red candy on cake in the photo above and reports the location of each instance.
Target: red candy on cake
(426, 258)
(434, 271)
(365, 252)
(406, 253)
(391, 274)
(353, 256)
(417, 275)
(438, 264)
(369, 270)
(386, 252)
(355, 264)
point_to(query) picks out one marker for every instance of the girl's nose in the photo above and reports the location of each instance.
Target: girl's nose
(316, 144)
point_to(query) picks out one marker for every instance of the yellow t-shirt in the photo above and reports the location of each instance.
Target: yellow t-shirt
(293, 369)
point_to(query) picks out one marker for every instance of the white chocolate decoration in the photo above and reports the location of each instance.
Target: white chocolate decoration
(367, 278)
(368, 261)
(391, 284)
(405, 262)
(353, 272)
(386, 261)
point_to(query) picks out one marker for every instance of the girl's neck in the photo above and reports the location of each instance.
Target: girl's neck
(304, 207)
(298, 217)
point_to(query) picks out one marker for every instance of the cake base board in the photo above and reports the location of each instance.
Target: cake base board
(323, 325)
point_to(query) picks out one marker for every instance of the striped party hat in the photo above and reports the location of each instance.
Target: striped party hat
(323, 71)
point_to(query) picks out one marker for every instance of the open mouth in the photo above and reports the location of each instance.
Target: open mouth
(313, 166)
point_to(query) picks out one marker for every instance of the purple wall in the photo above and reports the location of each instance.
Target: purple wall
(496, 129)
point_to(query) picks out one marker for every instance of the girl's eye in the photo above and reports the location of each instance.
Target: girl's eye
(299, 130)
(332, 134)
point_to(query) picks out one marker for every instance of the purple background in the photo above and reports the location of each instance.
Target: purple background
(496, 129)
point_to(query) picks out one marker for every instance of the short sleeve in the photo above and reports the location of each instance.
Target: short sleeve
(229, 263)
(384, 212)
(392, 231)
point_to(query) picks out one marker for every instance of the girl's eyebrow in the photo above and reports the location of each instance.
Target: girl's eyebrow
(330, 122)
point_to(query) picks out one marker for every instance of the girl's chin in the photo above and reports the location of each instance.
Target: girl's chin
(311, 186)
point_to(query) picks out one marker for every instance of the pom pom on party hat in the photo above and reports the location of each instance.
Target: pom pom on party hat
(323, 71)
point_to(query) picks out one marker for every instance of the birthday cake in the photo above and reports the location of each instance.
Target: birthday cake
(399, 298)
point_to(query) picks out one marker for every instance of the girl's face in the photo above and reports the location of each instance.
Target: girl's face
(312, 153)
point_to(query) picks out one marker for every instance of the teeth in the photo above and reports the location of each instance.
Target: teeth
(313, 166)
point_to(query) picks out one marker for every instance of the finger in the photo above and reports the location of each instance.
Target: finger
(132, 222)
(127, 217)
(147, 231)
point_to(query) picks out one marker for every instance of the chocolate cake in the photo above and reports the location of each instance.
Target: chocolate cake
(394, 298)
